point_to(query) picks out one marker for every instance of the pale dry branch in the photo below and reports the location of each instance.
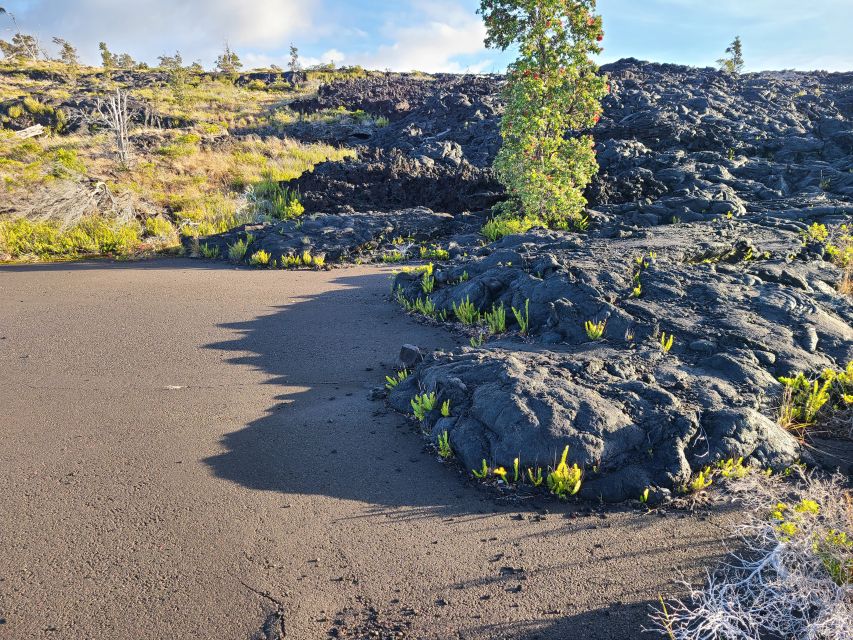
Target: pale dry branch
(780, 584)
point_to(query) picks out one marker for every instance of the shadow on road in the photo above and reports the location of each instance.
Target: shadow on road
(323, 435)
(615, 622)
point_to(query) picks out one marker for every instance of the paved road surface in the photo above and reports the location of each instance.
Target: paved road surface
(185, 445)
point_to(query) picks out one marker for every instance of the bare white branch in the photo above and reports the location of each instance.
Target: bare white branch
(782, 583)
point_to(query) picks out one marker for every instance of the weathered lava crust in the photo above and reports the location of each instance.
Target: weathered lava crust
(708, 179)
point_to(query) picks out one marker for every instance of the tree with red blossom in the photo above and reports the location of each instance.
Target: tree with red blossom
(553, 94)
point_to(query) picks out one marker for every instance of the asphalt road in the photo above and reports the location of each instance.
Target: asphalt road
(188, 449)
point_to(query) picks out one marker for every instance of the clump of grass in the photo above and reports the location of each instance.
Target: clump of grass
(21, 238)
(595, 330)
(565, 481)
(422, 404)
(496, 319)
(260, 258)
(466, 312)
(506, 225)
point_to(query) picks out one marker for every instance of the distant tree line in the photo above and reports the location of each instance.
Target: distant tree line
(26, 47)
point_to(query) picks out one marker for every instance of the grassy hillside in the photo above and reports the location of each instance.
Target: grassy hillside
(207, 153)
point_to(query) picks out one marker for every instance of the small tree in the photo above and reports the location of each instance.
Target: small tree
(228, 62)
(67, 52)
(733, 62)
(22, 47)
(553, 93)
(174, 66)
(108, 59)
(171, 63)
(294, 59)
(125, 61)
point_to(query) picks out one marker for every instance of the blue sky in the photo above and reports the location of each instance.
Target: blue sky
(438, 35)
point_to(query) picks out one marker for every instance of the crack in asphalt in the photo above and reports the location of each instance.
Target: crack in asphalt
(273, 627)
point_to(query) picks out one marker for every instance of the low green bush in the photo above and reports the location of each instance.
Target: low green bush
(94, 235)
(507, 225)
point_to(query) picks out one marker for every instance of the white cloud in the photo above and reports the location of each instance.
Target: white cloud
(333, 55)
(147, 28)
(430, 40)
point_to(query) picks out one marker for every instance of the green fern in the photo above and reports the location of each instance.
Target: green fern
(466, 312)
(422, 405)
(523, 320)
(496, 319)
(444, 448)
(595, 330)
(391, 382)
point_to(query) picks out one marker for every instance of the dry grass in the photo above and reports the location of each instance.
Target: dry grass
(845, 286)
(196, 178)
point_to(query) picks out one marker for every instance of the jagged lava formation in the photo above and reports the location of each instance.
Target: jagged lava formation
(708, 179)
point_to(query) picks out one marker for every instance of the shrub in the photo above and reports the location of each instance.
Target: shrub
(552, 90)
(466, 312)
(733, 62)
(391, 382)
(66, 163)
(594, 330)
(15, 111)
(36, 108)
(93, 235)
(269, 197)
(427, 282)
(496, 319)
(805, 401)
(237, 251)
(211, 253)
(260, 259)
(423, 404)
(507, 225)
(444, 448)
(434, 253)
(523, 319)
(188, 138)
(565, 481)
(159, 227)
